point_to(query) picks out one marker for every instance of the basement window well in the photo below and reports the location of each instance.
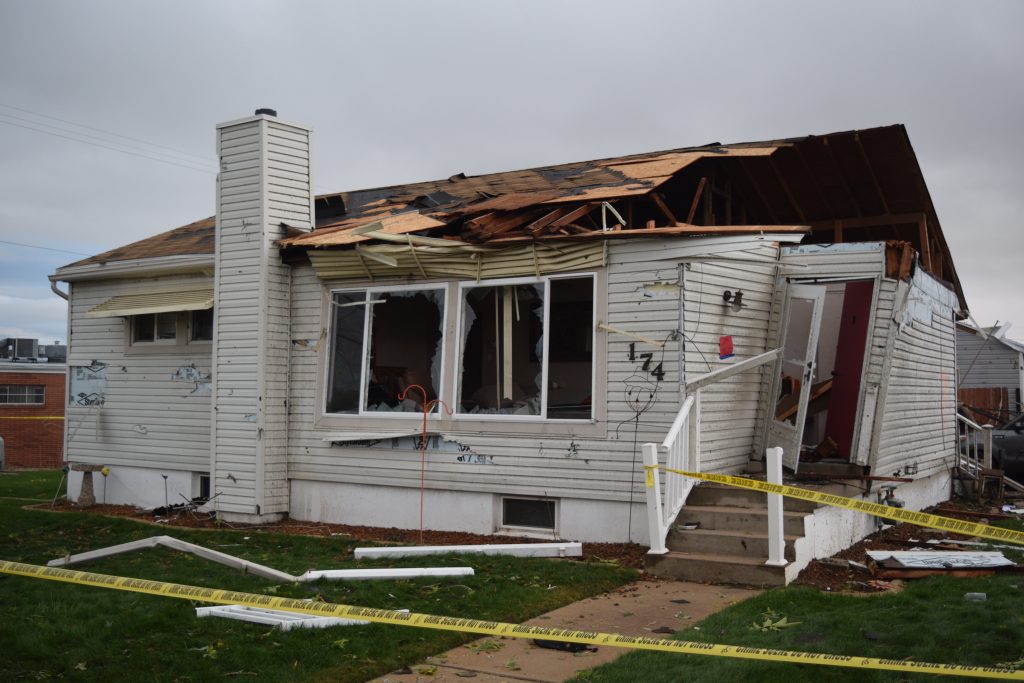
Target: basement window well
(528, 513)
(383, 342)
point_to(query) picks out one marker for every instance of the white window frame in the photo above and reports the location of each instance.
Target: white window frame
(362, 413)
(133, 320)
(530, 531)
(546, 280)
(7, 402)
(190, 326)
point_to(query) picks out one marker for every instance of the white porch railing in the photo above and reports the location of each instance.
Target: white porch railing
(682, 452)
(681, 447)
(974, 450)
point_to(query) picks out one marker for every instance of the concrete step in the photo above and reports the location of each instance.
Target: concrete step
(751, 544)
(733, 518)
(716, 494)
(732, 569)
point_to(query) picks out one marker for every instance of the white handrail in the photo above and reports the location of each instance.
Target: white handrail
(677, 424)
(681, 449)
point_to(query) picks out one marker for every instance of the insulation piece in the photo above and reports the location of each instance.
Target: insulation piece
(457, 261)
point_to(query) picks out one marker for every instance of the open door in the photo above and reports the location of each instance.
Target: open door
(794, 371)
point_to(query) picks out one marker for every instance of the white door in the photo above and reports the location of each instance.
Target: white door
(794, 371)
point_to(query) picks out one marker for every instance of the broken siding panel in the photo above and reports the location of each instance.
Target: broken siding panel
(918, 420)
(148, 419)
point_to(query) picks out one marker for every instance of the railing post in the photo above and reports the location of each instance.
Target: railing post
(652, 481)
(986, 441)
(693, 452)
(776, 540)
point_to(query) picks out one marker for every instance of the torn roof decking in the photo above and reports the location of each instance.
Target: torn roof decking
(849, 186)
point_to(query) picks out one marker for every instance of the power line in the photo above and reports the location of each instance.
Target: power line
(206, 159)
(115, 149)
(36, 246)
(78, 134)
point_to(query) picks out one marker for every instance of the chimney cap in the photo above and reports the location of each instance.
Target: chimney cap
(267, 111)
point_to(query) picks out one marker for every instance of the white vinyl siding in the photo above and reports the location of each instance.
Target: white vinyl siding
(639, 293)
(149, 418)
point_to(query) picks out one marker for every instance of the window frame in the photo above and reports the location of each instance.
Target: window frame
(362, 413)
(191, 326)
(27, 395)
(546, 359)
(133, 321)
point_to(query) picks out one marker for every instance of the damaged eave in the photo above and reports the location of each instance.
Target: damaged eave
(143, 267)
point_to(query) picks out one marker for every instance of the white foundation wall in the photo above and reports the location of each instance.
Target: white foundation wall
(831, 529)
(478, 513)
(139, 486)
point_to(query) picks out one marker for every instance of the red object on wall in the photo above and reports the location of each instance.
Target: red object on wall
(34, 433)
(725, 349)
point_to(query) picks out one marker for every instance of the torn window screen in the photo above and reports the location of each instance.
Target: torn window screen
(506, 353)
(382, 343)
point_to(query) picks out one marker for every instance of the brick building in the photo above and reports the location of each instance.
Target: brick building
(32, 398)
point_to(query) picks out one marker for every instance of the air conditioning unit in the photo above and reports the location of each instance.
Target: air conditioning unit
(25, 349)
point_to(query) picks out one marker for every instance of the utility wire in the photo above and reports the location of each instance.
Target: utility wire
(115, 149)
(36, 246)
(206, 159)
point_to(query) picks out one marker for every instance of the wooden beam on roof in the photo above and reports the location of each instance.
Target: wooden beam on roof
(842, 177)
(814, 180)
(757, 190)
(785, 188)
(837, 232)
(578, 212)
(539, 224)
(696, 200)
(872, 221)
(926, 250)
(871, 172)
(660, 202)
(679, 229)
(685, 228)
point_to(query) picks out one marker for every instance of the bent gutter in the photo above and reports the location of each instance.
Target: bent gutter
(56, 290)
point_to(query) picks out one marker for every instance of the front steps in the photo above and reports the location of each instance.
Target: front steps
(730, 543)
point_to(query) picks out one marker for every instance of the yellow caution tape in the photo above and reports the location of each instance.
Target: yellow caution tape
(31, 417)
(924, 519)
(492, 628)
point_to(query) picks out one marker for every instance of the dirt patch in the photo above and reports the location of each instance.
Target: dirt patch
(836, 574)
(624, 554)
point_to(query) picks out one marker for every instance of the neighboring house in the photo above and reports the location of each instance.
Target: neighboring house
(990, 370)
(557, 312)
(32, 401)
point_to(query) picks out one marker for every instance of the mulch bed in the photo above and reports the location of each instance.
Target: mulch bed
(624, 554)
(829, 575)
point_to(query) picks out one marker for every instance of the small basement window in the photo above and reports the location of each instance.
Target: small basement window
(154, 327)
(384, 341)
(22, 394)
(529, 513)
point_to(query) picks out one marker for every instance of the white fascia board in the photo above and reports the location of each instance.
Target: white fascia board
(148, 267)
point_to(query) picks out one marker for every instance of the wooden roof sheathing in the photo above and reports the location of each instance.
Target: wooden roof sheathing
(342, 233)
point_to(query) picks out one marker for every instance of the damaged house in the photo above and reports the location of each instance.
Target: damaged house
(279, 355)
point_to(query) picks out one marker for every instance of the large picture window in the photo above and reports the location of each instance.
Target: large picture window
(528, 349)
(20, 394)
(382, 342)
(524, 349)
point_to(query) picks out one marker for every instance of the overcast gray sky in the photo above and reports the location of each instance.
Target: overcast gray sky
(405, 91)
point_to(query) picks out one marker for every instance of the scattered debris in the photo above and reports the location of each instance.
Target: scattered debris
(259, 569)
(516, 549)
(286, 621)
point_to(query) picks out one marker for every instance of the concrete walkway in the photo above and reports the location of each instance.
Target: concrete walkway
(647, 607)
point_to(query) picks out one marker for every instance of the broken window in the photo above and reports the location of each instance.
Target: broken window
(509, 366)
(154, 327)
(382, 343)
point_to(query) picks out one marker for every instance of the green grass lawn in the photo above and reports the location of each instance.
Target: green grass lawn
(929, 621)
(50, 630)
